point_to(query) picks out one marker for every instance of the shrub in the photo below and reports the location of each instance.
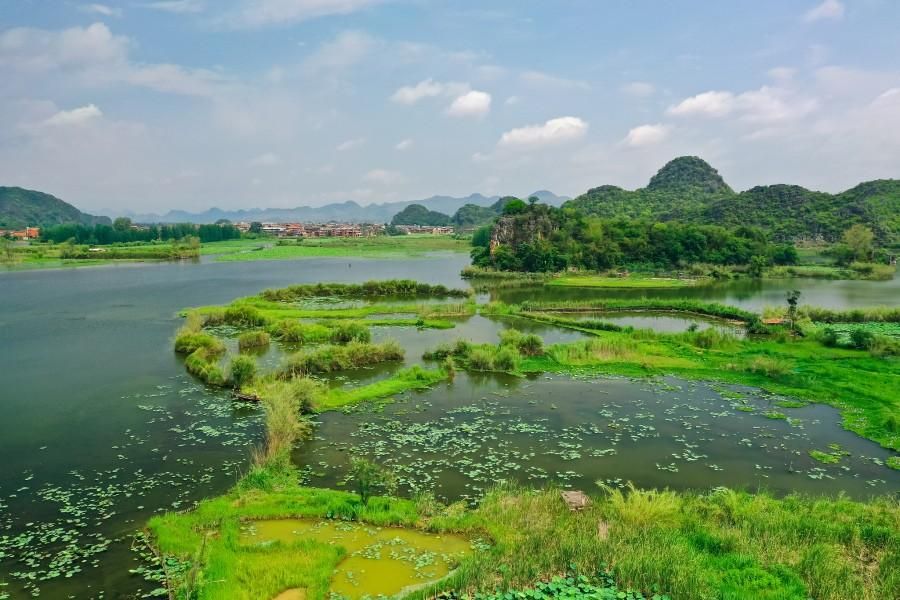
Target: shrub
(203, 364)
(770, 367)
(348, 331)
(481, 359)
(861, 338)
(187, 342)
(246, 316)
(369, 477)
(510, 337)
(330, 358)
(531, 345)
(242, 370)
(253, 339)
(506, 359)
(439, 352)
(829, 337)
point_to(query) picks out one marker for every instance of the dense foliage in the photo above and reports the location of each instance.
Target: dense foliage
(121, 232)
(536, 237)
(688, 189)
(472, 215)
(27, 208)
(416, 214)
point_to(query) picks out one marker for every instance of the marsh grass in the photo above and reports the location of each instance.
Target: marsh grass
(330, 358)
(253, 340)
(369, 289)
(721, 544)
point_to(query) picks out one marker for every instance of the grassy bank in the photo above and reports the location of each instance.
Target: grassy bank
(21, 257)
(723, 544)
(405, 246)
(686, 306)
(629, 282)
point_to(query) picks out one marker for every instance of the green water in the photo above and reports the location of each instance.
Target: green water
(102, 428)
(379, 560)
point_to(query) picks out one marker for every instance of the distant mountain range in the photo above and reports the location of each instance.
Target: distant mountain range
(349, 211)
(27, 208)
(688, 189)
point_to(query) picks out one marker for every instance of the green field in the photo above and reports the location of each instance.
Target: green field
(372, 247)
(634, 281)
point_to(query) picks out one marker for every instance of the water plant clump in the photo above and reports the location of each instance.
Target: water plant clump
(253, 340)
(331, 358)
(390, 287)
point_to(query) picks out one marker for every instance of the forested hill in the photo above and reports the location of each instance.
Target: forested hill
(689, 189)
(27, 208)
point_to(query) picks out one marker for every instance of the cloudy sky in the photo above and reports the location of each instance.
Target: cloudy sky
(148, 105)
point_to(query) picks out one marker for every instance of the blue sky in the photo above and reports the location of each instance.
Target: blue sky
(148, 105)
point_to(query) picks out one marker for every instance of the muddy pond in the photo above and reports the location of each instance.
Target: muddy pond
(102, 428)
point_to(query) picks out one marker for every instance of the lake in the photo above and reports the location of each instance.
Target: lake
(102, 427)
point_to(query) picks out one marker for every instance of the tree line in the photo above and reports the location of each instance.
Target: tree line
(122, 231)
(539, 238)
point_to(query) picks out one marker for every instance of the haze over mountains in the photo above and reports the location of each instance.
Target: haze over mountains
(349, 211)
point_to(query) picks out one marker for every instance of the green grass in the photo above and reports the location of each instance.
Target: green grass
(724, 544)
(633, 281)
(407, 246)
(674, 305)
(413, 378)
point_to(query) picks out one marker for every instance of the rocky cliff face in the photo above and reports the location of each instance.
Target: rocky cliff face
(512, 230)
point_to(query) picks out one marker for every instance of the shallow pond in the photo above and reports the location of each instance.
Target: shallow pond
(379, 561)
(459, 439)
(102, 427)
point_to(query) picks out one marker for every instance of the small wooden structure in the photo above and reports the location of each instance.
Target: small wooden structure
(575, 499)
(245, 397)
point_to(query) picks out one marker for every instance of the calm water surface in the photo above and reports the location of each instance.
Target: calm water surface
(102, 428)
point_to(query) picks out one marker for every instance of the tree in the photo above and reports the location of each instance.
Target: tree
(122, 224)
(255, 227)
(859, 239)
(757, 265)
(793, 298)
(369, 477)
(7, 250)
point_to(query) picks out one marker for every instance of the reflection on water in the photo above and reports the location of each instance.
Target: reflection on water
(752, 294)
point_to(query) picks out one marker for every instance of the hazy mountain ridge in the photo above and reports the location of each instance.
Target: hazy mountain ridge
(348, 211)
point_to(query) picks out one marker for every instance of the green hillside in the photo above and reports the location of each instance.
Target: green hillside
(22, 208)
(689, 189)
(416, 214)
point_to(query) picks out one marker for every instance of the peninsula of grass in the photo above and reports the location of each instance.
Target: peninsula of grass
(628, 282)
(404, 246)
(663, 305)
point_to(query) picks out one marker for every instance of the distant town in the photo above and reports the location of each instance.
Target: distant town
(317, 230)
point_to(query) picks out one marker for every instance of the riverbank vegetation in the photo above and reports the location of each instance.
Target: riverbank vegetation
(405, 246)
(525, 543)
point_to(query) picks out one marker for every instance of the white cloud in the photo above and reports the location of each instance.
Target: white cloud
(268, 159)
(428, 88)
(410, 94)
(101, 9)
(638, 89)
(646, 135)
(767, 104)
(829, 9)
(345, 50)
(512, 100)
(95, 56)
(545, 80)
(252, 14)
(76, 116)
(383, 177)
(710, 104)
(404, 144)
(554, 131)
(472, 104)
(36, 50)
(350, 144)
